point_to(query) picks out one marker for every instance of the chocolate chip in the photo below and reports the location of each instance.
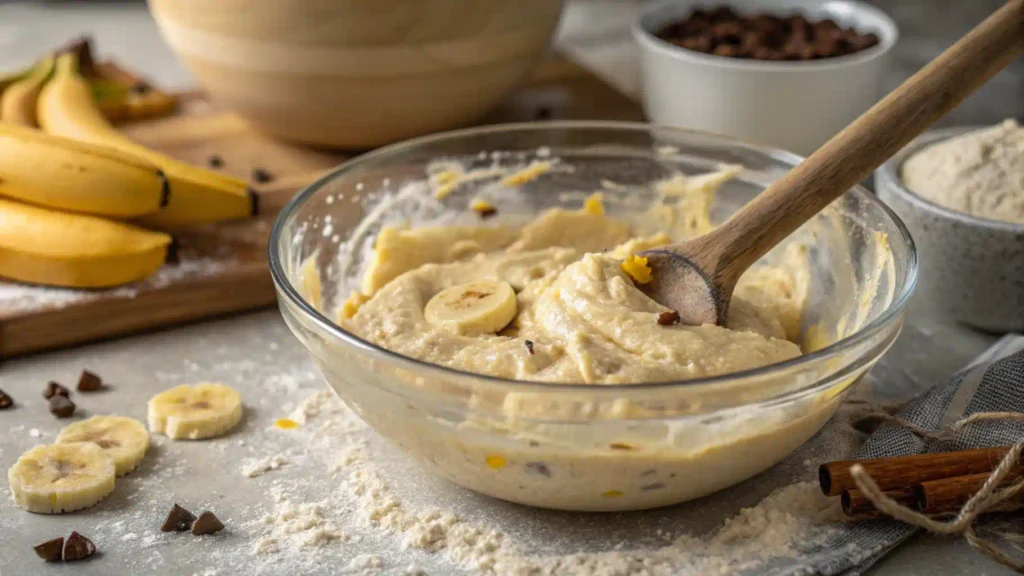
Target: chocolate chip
(54, 389)
(723, 32)
(78, 547)
(538, 468)
(487, 212)
(140, 88)
(668, 318)
(529, 347)
(5, 401)
(261, 176)
(207, 523)
(178, 520)
(61, 407)
(173, 252)
(51, 550)
(89, 382)
(215, 161)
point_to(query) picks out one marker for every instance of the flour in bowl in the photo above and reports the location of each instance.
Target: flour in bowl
(980, 173)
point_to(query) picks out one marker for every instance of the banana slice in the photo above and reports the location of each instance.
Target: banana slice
(61, 477)
(473, 308)
(124, 439)
(195, 412)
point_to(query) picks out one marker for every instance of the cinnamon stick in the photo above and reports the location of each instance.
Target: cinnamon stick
(949, 495)
(856, 505)
(902, 471)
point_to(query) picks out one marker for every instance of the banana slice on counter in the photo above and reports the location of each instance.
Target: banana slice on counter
(61, 478)
(195, 412)
(473, 308)
(124, 439)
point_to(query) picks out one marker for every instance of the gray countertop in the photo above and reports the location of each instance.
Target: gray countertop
(257, 354)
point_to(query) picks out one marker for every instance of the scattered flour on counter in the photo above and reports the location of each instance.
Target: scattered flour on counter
(254, 468)
(787, 520)
(365, 563)
(312, 406)
(793, 516)
(297, 527)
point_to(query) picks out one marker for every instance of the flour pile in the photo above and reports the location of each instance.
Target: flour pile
(979, 173)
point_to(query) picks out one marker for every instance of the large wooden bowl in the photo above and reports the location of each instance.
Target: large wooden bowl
(358, 73)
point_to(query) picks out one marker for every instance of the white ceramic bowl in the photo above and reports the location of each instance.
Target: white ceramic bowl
(792, 105)
(971, 267)
(358, 73)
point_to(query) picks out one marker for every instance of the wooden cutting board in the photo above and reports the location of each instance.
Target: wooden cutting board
(223, 268)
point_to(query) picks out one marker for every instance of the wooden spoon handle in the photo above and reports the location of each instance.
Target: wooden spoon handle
(854, 153)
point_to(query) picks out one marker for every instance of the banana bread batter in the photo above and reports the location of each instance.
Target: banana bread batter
(551, 300)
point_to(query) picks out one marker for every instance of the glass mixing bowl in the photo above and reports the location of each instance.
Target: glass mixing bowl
(588, 447)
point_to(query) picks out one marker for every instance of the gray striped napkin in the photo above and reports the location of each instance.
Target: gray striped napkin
(994, 382)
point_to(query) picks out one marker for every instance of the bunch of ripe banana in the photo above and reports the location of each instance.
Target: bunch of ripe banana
(80, 203)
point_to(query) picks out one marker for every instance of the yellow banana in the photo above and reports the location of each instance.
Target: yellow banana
(66, 108)
(47, 170)
(12, 76)
(18, 101)
(43, 246)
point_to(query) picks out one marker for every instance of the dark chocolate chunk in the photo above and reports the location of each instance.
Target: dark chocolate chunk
(61, 406)
(529, 347)
(668, 318)
(215, 161)
(51, 550)
(89, 382)
(5, 401)
(207, 523)
(178, 520)
(261, 176)
(538, 468)
(487, 211)
(723, 32)
(55, 389)
(78, 547)
(173, 252)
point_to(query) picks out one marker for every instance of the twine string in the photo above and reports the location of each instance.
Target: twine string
(989, 498)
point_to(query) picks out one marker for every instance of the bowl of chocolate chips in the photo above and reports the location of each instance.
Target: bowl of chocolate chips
(787, 73)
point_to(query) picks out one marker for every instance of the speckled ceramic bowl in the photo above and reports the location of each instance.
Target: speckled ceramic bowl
(973, 267)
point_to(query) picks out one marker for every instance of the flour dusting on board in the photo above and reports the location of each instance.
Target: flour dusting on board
(23, 298)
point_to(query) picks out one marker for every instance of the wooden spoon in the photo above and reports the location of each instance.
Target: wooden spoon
(697, 277)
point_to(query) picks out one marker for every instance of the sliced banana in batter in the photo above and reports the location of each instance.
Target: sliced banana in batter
(473, 308)
(195, 412)
(124, 439)
(61, 477)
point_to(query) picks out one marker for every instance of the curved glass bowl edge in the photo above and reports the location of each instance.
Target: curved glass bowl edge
(291, 297)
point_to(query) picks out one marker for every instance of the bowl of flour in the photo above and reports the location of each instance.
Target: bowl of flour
(961, 193)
